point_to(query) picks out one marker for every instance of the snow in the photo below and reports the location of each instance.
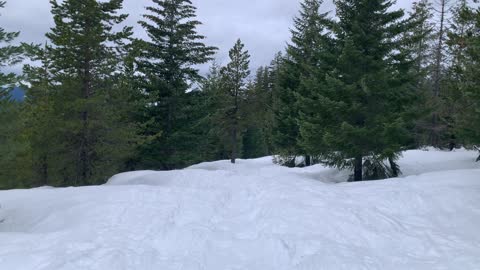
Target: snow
(252, 215)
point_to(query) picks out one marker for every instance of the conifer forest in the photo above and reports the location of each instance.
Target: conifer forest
(239, 134)
(353, 89)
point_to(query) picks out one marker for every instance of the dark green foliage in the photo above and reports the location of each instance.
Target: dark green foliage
(232, 113)
(419, 38)
(9, 55)
(167, 65)
(464, 74)
(79, 97)
(300, 61)
(440, 120)
(350, 92)
(419, 42)
(257, 140)
(12, 145)
(361, 107)
(212, 143)
(254, 145)
(40, 119)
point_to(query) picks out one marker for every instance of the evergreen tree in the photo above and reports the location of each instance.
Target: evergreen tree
(464, 75)
(419, 40)
(439, 125)
(257, 140)
(300, 59)
(232, 114)
(129, 102)
(452, 98)
(461, 28)
(268, 101)
(9, 56)
(86, 53)
(167, 63)
(11, 145)
(361, 110)
(40, 118)
(212, 147)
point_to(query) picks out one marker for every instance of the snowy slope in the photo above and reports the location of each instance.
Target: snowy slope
(254, 215)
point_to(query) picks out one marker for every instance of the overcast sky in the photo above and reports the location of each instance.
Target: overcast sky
(263, 25)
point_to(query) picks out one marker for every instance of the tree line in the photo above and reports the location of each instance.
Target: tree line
(352, 90)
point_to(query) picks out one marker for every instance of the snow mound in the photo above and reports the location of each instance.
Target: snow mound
(252, 215)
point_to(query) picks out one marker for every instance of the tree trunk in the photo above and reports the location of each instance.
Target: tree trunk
(84, 150)
(358, 169)
(235, 124)
(394, 167)
(434, 132)
(308, 160)
(44, 171)
(234, 145)
(439, 51)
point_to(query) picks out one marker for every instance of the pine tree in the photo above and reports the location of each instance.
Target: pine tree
(301, 57)
(9, 55)
(464, 75)
(257, 141)
(41, 120)
(269, 101)
(212, 146)
(231, 116)
(419, 40)
(438, 122)
(167, 63)
(86, 51)
(361, 110)
(461, 27)
(11, 145)
(453, 100)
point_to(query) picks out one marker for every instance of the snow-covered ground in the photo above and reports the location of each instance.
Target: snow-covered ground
(253, 215)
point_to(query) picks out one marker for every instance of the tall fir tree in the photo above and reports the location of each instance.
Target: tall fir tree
(300, 59)
(461, 28)
(86, 52)
(439, 123)
(453, 101)
(11, 145)
(40, 118)
(212, 146)
(257, 140)
(419, 40)
(359, 115)
(463, 75)
(168, 65)
(231, 115)
(9, 55)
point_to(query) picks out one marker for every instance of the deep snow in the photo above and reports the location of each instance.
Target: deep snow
(253, 215)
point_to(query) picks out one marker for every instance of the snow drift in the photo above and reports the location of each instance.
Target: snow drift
(253, 215)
